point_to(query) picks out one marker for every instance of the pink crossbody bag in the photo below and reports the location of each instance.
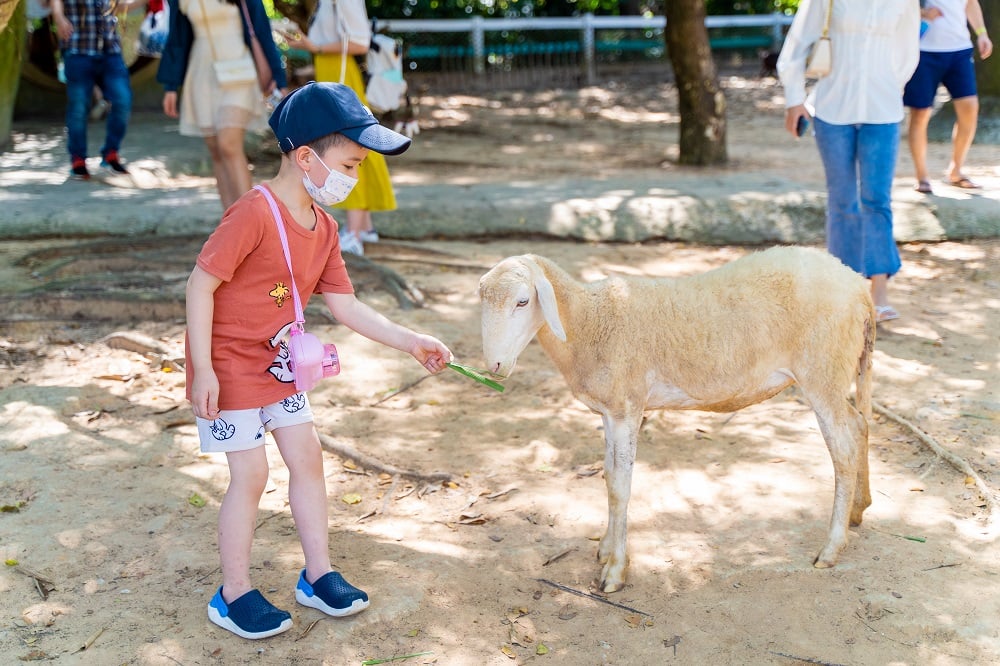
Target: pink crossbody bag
(310, 359)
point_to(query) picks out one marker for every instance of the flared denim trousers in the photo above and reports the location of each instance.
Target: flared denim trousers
(860, 161)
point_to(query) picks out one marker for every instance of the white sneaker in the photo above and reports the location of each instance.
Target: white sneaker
(368, 236)
(351, 244)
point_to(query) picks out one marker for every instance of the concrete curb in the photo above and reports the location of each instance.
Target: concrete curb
(716, 208)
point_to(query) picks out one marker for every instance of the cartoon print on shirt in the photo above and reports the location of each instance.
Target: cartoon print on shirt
(294, 403)
(222, 430)
(280, 293)
(281, 367)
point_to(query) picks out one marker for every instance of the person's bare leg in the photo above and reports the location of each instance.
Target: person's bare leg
(966, 118)
(359, 220)
(917, 137)
(238, 517)
(234, 162)
(222, 183)
(880, 289)
(303, 456)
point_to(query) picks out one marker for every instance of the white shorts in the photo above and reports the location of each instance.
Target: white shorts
(243, 429)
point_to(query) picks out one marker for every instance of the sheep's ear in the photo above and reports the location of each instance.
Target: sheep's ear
(547, 301)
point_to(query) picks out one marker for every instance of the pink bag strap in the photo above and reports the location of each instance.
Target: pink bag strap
(300, 319)
(246, 16)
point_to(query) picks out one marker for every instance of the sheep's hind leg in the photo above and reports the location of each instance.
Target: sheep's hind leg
(862, 493)
(620, 438)
(841, 431)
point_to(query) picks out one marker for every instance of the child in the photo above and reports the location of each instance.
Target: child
(239, 310)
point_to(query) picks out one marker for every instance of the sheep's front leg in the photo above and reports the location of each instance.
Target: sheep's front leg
(620, 437)
(845, 432)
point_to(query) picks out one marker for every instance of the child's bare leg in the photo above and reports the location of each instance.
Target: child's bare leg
(300, 448)
(237, 519)
(322, 589)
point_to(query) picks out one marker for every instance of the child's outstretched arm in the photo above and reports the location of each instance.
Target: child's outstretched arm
(349, 311)
(200, 295)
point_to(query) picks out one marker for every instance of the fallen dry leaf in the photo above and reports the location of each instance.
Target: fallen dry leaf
(522, 632)
(472, 519)
(565, 613)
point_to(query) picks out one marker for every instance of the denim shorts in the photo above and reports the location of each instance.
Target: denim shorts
(243, 429)
(955, 69)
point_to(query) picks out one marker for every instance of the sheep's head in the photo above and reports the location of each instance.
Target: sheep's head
(517, 299)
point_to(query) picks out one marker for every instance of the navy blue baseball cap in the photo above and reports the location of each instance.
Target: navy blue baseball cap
(318, 109)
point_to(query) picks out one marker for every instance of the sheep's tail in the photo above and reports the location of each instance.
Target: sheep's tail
(864, 381)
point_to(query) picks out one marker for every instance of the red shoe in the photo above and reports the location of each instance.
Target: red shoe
(112, 163)
(79, 169)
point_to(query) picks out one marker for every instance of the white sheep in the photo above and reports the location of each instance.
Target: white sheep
(720, 341)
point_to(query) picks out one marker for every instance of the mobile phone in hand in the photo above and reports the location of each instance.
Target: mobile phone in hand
(801, 126)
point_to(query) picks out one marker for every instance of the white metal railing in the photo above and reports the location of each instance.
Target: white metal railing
(587, 24)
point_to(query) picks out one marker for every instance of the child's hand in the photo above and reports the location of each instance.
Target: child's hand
(205, 395)
(431, 353)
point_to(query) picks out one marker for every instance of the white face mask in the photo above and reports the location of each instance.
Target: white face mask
(335, 188)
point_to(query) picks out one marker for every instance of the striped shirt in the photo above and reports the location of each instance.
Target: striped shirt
(94, 27)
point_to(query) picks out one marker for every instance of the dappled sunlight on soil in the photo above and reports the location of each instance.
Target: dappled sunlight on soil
(727, 510)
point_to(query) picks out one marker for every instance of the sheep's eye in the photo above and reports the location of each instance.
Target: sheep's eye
(521, 303)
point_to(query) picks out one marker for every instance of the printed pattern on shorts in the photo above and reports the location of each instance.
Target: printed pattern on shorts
(244, 429)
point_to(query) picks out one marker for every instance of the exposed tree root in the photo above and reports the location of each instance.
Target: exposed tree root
(136, 342)
(956, 461)
(406, 294)
(349, 452)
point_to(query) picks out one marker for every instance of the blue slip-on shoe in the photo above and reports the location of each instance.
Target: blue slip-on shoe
(331, 594)
(251, 616)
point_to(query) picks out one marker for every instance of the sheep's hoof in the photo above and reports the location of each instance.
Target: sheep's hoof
(613, 578)
(824, 562)
(608, 587)
(828, 556)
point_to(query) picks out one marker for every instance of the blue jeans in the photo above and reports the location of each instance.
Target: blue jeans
(859, 161)
(109, 73)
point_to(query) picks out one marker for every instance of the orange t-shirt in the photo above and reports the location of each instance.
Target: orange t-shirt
(253, 306)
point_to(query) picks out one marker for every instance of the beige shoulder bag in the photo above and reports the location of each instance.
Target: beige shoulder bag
(229, 73)
(820, 60)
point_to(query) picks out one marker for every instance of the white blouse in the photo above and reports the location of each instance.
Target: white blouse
(876, 47)
(340, 21)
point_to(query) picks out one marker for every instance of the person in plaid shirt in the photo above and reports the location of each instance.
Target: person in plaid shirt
(92, 56)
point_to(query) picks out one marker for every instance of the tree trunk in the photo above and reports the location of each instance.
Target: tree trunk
(702, 103)
(297, 11)
(12, 35)
(988, 71)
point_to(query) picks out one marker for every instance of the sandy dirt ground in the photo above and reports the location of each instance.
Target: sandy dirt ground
(109, 510)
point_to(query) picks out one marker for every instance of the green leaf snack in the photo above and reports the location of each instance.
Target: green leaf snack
(469, 372)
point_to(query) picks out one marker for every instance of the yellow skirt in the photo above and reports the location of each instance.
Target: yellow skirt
(374, 189)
